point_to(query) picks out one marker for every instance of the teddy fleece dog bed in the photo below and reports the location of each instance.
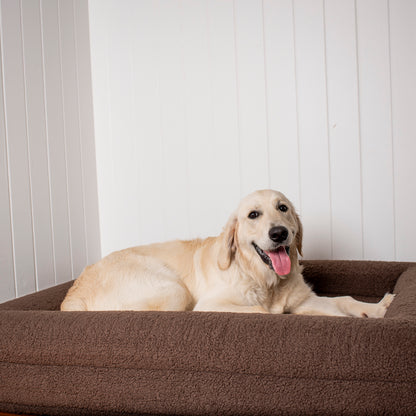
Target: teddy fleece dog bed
(195, 363)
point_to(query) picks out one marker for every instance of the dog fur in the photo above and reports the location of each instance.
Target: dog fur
(224, 273)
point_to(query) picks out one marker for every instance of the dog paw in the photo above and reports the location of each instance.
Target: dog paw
(387, 300)
(377, 310)
(381, 307)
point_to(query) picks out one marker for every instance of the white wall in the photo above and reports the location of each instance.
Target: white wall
(198, 103)
(48, 194)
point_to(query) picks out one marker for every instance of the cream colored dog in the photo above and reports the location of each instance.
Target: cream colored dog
(252, 266)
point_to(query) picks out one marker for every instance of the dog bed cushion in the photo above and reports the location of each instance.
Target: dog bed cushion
(195, 363)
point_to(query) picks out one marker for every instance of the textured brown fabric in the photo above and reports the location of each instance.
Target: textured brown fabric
(45, 300)
(192, 363)
(353, 278)
(404, 304)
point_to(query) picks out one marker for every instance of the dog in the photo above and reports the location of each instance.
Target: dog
(251, 267)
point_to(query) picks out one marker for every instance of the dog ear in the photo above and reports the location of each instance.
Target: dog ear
(299, 235)
(228, 243)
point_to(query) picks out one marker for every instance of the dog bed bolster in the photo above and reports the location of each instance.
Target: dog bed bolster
(194, 363)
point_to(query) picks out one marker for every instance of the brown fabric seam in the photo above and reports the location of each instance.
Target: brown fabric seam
(175, 370)
(74, 408)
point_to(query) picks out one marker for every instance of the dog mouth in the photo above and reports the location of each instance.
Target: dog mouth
(278, 259)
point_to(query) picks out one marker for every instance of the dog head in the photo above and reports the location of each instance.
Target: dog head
(263, 235)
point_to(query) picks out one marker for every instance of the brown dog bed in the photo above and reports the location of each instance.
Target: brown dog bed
(194, 363)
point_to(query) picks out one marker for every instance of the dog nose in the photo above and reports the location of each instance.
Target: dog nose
(278, 234)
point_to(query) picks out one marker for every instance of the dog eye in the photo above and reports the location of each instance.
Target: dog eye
(283, 208)
(254, 214)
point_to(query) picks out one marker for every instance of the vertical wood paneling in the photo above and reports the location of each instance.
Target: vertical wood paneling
(86, 133)
(208, 37)
(99, 23)
(343, 128)
(122, 140)
(403, 70)
(375, 129)
(251, 85)
(222, 68)
(281, 98)
(199, 114)
(45, 124)
(315, 207)
(232, 96)
(171, 46)
(7, 282)
(147, 117)
(37, 139)
(133, 206)
(196, 104)
(56, 139)
(16, 130)
(71, 135)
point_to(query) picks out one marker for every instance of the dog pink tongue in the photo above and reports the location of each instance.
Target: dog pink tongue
(280, 260)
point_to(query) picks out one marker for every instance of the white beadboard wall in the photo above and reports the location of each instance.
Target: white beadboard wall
(194, 104)
(49, 227)
(199, 102)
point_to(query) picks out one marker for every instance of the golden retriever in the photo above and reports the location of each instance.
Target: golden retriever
(252, 266)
